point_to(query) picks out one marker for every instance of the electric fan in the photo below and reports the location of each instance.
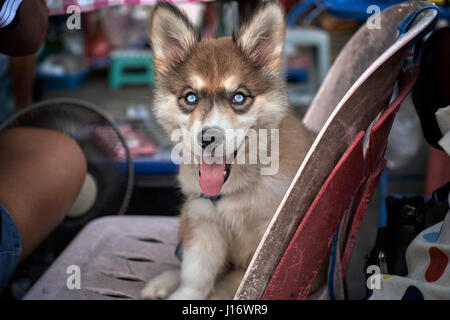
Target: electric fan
(109, 181)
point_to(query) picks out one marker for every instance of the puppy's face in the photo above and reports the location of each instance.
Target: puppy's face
(227, 83)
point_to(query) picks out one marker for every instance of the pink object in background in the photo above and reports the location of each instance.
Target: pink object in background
(137, 143)
(59, 7)
(438, 170)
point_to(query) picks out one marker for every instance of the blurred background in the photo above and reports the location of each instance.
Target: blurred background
(108, 62)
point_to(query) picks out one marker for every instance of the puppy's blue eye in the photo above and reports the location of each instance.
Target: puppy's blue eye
(238, 98)
(191, 98)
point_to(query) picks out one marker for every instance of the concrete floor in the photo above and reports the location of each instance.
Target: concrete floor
(96, 90)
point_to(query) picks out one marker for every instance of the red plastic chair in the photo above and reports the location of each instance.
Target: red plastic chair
(353, 115)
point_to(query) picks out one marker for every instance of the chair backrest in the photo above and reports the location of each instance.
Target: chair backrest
(354, 94)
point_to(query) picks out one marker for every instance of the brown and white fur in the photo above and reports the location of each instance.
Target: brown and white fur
(220, 239)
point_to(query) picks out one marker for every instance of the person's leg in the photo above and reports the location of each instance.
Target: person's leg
(41, 174)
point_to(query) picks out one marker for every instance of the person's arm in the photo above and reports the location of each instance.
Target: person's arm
(26, 32)
(22, 70)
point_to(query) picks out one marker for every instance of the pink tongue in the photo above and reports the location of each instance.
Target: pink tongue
(211, 177)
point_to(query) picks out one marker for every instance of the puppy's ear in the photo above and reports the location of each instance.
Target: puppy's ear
(172, 36)
(262, 37)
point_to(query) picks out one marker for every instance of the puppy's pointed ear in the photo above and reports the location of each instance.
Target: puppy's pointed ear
(262, 37)
(172, 36)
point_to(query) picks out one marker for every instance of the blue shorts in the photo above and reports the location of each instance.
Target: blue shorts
(10, 247)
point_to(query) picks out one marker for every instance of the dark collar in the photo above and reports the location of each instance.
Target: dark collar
(213, 199)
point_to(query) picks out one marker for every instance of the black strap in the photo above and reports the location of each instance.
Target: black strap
(440, 196)
(426, 94)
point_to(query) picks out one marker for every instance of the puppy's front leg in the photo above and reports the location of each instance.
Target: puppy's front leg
(204, 253)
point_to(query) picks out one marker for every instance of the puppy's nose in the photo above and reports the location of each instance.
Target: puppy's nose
(210, 135)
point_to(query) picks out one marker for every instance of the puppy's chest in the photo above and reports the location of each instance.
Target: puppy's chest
(243, 227)
(239, 216)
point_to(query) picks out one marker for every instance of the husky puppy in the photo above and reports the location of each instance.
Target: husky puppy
(228, 84)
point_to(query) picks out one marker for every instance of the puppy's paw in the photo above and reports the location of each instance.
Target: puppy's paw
(161, 286)
(186, 293)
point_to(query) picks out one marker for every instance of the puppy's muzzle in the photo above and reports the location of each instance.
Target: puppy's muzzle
(211, 136)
